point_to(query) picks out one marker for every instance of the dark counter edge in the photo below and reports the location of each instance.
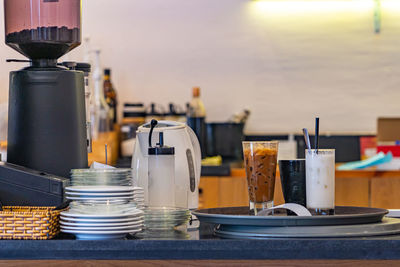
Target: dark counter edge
(200, 249)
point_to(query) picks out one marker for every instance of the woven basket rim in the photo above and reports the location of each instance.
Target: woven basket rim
(30, 207)
(47, 219)
(30, 210)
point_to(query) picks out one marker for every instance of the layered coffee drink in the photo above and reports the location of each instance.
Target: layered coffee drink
(260, 162)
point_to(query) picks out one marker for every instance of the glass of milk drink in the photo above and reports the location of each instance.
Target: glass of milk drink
(320, 181)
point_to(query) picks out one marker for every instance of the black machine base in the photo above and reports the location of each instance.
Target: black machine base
(47, 124)
(20, 186)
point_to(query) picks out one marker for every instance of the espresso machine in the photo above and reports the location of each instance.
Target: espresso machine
(46, 121)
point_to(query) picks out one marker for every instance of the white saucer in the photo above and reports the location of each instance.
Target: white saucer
(133, 214)
(99, 194)
(99, 235)
(83, 224)
(97, 198)
(98, 228)
(119, 220)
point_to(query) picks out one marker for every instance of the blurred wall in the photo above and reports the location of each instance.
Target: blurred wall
(287, 61)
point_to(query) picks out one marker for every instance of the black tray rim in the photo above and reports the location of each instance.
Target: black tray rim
(246, 234)
(376, 215)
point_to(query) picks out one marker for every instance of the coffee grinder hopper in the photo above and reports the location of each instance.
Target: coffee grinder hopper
(42, 29)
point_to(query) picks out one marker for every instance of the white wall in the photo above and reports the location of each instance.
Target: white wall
(287, 61)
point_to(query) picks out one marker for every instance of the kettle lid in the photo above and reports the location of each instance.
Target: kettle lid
(163, 126)
(159, 149)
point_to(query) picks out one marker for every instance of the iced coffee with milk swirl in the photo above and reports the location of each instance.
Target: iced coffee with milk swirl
(260, 160)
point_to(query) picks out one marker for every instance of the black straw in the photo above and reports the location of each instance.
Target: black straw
(316, 134)
(306, 138)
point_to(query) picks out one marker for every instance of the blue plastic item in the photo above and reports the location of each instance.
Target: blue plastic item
(380, 158)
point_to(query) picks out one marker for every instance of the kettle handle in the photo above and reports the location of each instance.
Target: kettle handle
(197, 152)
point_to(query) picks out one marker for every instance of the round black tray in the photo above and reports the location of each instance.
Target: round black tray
(388, 226)
(242, 216)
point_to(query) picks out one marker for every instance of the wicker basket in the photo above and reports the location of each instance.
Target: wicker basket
(18, 222)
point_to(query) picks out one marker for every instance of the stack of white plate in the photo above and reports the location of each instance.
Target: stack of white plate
(113, 223)
(104, 204)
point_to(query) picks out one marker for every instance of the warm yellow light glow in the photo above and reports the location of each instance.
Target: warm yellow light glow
(390, 5)
(288, 7)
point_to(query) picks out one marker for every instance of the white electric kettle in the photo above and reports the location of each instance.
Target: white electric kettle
(187, 160)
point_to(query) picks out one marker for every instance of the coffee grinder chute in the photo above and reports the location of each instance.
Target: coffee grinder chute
(47, 124)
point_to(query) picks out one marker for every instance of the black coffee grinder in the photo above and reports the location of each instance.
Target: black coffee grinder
(46, 121)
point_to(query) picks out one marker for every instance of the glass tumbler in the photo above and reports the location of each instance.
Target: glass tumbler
(320, 181)
(293, 181)
(260, 160)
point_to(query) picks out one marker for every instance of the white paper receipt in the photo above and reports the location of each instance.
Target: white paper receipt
(296, 208)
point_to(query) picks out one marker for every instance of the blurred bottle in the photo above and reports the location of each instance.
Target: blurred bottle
(196, 106)
(110, 96)
(88, 79)
(100, 120)
(87, 50)
(196, 119)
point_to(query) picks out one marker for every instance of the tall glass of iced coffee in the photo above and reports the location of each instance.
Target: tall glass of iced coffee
(260, 160)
